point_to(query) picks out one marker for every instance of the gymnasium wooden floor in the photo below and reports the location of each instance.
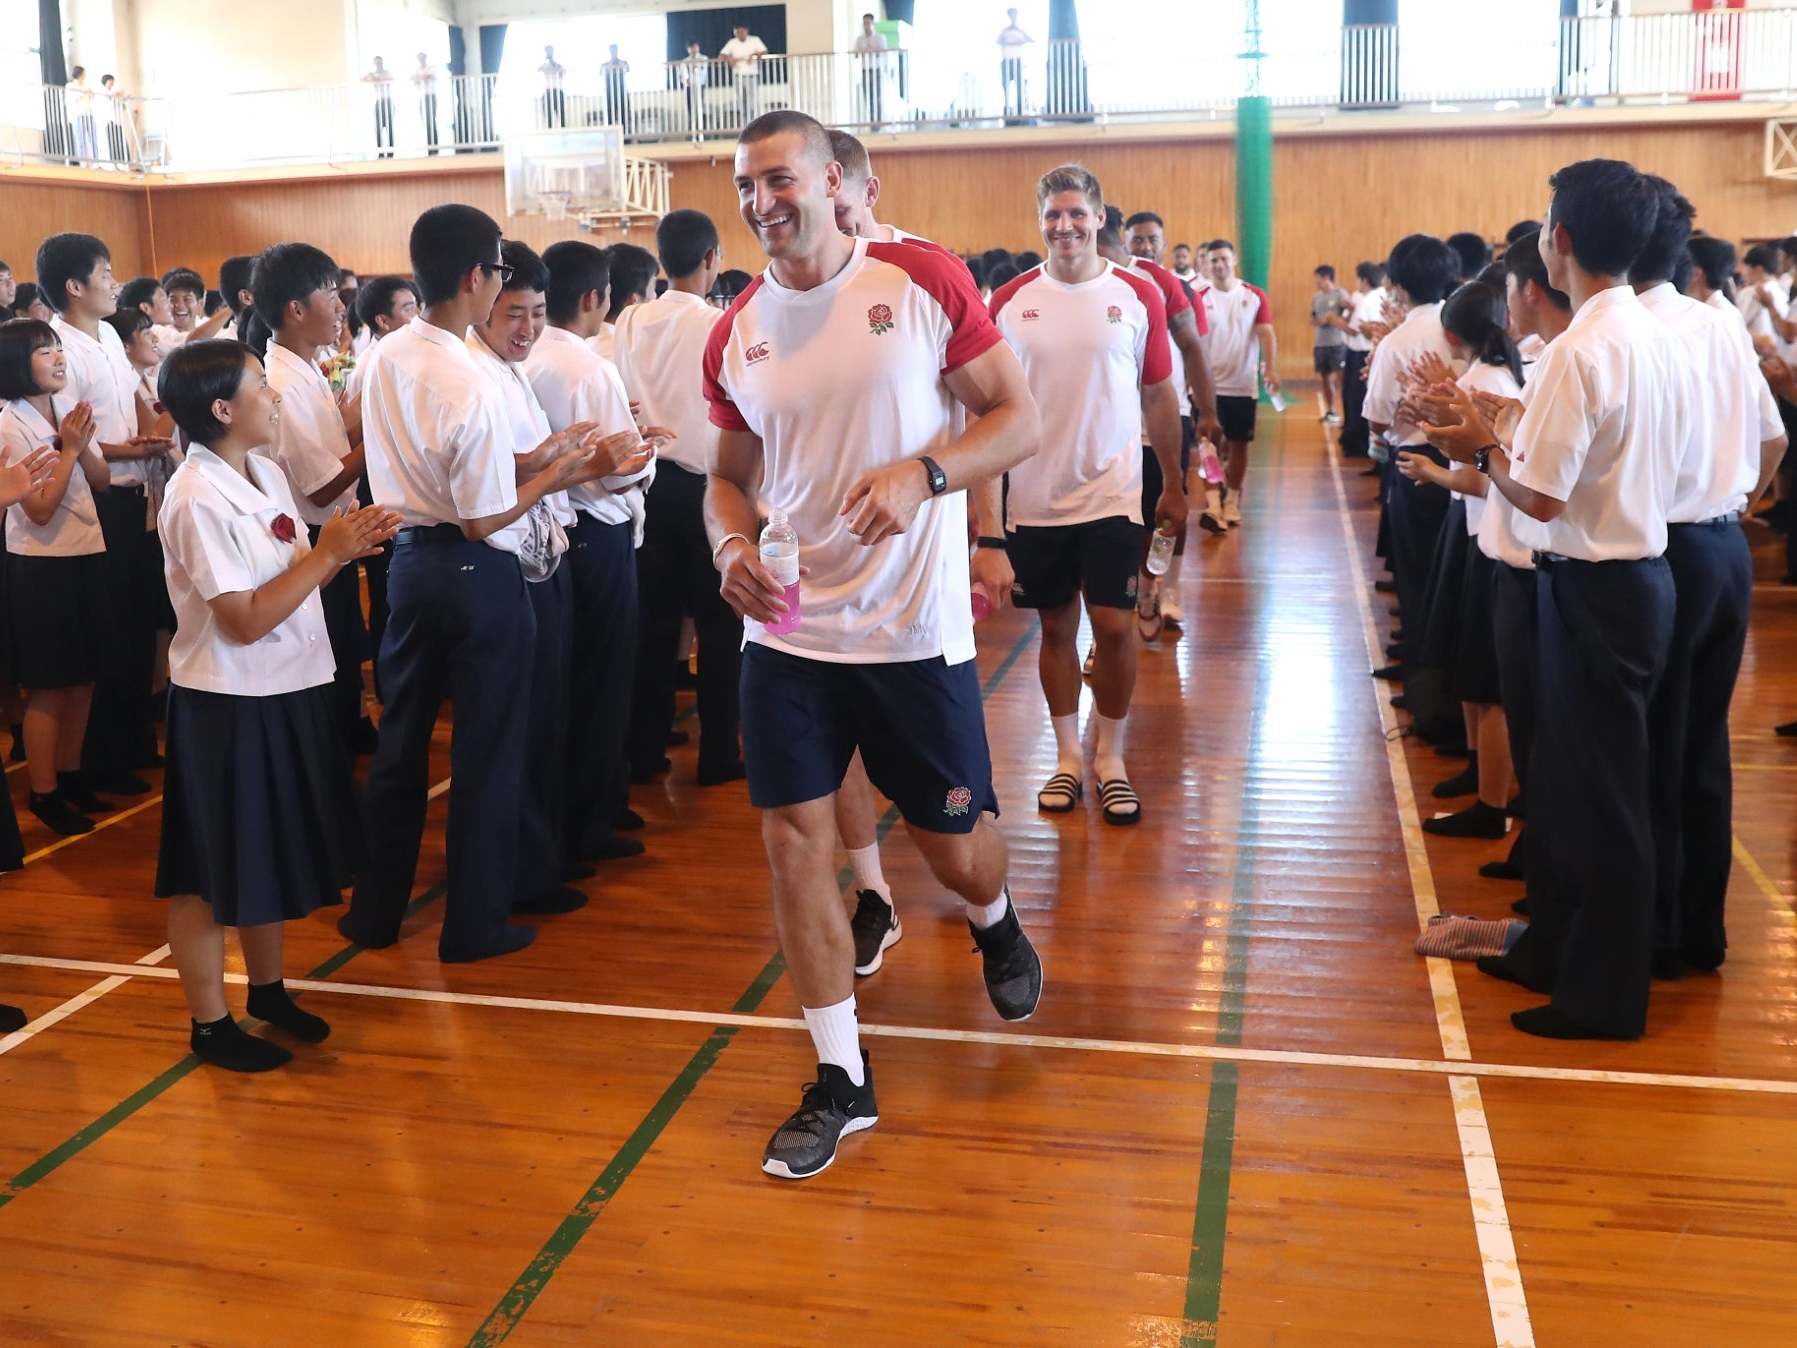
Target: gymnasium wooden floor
(1245, 1114)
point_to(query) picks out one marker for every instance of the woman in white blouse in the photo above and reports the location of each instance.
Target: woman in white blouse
(259, 821)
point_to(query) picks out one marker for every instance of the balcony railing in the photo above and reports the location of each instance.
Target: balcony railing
(1652, 59)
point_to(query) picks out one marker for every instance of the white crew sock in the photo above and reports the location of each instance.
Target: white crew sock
(837, 1035)
(987, 914)
(866, 861)
(1066, 739)
(1108, 758)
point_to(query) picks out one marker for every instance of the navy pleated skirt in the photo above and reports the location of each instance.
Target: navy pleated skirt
(259, 805)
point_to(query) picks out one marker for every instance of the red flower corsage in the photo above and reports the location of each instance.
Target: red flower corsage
(283, 528)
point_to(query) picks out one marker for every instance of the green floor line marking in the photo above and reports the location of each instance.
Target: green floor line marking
(1210, 1219)
(53, 1159)
(515, 1304)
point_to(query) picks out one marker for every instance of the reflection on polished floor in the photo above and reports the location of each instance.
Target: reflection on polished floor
(1245, 1113)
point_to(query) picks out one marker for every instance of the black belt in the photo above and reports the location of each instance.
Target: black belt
(430, 533)
(1713, 522)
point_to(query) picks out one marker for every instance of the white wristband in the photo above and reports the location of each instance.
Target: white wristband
(721, 544)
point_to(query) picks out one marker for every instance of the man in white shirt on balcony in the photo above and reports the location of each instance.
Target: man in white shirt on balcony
(870, 51)
(744, 52)
(1011, 42)
(555, 97)
(424, 83)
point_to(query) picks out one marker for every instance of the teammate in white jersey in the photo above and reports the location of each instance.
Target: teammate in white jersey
(833, 380)
(1092, 337)
(1243, 355)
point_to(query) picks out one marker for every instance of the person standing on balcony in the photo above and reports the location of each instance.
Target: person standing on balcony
(744, 52)
(115, 109)
(382, 80)
(555, 97)
(79, 105)
(1011, 43)
(424, 84)
(870, 52)
(695, 74)
(615, 70)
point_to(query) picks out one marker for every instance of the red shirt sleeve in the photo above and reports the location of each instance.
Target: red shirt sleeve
(1265, 313)
(1008, 291)
(1171, 290)
(724, 412)
(942, 276)
(1157, 354)
(1199, 313)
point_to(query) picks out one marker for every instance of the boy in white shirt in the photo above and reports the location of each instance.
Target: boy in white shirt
(744, 52)
(296, 292)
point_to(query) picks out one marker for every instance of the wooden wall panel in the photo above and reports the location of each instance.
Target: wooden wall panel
(1337, 198)
(32, 209)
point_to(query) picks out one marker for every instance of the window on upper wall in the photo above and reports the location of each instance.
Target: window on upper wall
(1453, 52)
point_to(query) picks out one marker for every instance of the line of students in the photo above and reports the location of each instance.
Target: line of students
(1606, 602)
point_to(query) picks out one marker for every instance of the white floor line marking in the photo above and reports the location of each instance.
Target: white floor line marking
(107, 822)
(1510, 1322)
(61, 1013)
(439, 789)
(997, 1038)
(1780, 901)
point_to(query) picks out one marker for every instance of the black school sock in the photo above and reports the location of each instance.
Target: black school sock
(223, 1043)
(270, 1002)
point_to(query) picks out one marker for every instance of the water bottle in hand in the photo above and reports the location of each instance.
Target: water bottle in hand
(1160, 552)
(780, 555)
(1210, 467)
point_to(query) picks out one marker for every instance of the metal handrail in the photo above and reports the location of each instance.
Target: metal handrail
(1654, 59)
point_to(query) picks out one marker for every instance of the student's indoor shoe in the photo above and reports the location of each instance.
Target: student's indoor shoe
(875, 927)
(60, 817)
(1462, 783)
(831, 1108)
(73, 787)
(1010, 965)
(1477, 820)
(121, 784)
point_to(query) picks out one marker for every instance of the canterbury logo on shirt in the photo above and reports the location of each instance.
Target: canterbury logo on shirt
(755, 354)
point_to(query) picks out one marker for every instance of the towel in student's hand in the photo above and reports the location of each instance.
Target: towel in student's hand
(1457, 937)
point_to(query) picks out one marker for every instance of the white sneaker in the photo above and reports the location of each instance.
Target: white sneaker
(1171, 613)
(1232, 510)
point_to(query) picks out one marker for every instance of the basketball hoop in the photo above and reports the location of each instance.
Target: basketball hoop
(584, 175)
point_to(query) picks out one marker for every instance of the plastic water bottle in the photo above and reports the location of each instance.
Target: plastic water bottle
(780, 555)
(1160, 552)
(1277, 399)
(1210, 467)
(982, 607)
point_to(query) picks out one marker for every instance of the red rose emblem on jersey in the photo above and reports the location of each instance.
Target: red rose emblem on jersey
(1113, 315)
(282, 528)
(879, 320)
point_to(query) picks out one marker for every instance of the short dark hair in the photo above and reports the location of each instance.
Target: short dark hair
(1659, 259)
(285, 272)
(28, 294)
(138, 290)
(683, 238)
(1001, 274)
(576, 269)
(184, 278)
(1325, 270)
(851, 154)
(1472, 251)
(1520, 228)
(62, 258)
(1110, 233)
(1025, 260)
(731, 283)
(1215, 244)
(1144, 218)
(528, 272)
(448, 242)
(1070, 178)
(1715, 258)
(347, 274)
(1373, 273)
(234, 277)
(1608, 208)
(1522, 263)
(375, 299)
(20, 340)
(993, 256)
(782, 120)
(127, 321)
(196, 375)
(632, 269)
(1424, 266)
(1761, 255)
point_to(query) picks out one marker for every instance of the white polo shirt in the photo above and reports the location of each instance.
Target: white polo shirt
(573, 383)
(1369, 307)
(661, 361)
(838, 380)
(74, 526)
(605, 341)
(437, 445)
(1087, 350)
(218, 537)
(1610, 411)
(1755, 314)
(1230, 347)
(1481, 377)
(525, 422)
(1723, 305)
(741, 53)
(1735, 410)
(100, 374)
(312, 444)
(1419, 332)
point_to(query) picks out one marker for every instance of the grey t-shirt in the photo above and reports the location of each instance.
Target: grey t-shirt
(1328, 302)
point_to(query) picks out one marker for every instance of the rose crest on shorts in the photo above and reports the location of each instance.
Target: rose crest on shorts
(879, 320)
(959, 798)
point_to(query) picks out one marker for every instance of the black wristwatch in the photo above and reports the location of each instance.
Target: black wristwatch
(987, 541)
(1482, 459)
(938, 478)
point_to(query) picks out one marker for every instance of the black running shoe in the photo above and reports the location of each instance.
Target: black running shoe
(1012, 969)
(876, 928)
(832, 1107)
